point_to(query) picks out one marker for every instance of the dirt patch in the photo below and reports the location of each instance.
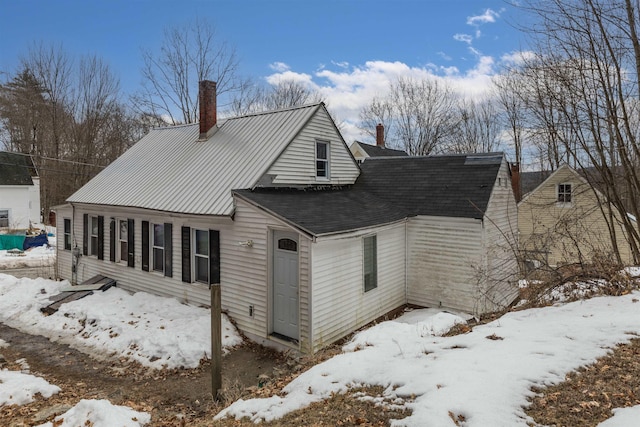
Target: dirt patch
(180, 397)
(588, 395)
(172, 397)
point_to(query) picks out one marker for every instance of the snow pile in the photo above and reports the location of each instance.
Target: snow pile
(154, 331)
(35, 257)
(17, 388)
(484, 376)
(100, 413)
(623, 417)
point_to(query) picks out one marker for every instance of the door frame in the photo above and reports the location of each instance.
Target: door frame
(275, 235)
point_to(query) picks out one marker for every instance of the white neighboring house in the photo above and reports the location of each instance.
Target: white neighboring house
(306, 245)
(19, 191)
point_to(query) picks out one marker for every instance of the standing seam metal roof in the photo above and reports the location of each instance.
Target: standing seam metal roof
(170, 170)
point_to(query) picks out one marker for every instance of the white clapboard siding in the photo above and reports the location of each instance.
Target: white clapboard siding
(443, 259)
(340, 304)
(501, 245)
(243, 270)
(246, 273)
(297, 165)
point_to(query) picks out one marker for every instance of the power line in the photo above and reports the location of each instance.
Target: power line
(57, 160)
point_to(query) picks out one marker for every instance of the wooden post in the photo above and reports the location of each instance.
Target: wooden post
(216, 341)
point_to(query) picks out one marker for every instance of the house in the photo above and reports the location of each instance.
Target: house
(362, 151)
(307, 245)
(19, 191)
(563, 221)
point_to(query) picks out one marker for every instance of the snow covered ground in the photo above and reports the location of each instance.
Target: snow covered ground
(34, 257)
(485, 375)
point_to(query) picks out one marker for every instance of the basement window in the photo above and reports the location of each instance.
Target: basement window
(322, 159)
(370, 263)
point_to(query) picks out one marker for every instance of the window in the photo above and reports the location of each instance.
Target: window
(93, 236)
(370, 263)
(67, 234)
(322, 159)
(201, 255)
(4, 217)
(158, 247)
(564, 193)
(123, 239)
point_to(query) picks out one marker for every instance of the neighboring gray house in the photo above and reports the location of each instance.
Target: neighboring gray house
(307, 246)
(19, 191)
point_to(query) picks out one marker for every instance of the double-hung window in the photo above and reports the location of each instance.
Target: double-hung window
(322, 159)
(67, 233)
(201, 255)
(123, 239)
(370, 263)
(564, 193)
(158, 247)
(93, 236)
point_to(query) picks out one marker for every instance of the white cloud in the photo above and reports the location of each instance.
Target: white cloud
(516, 58)
(347, 89)
(466, 38)
(279, 67)
(445, 56)
(489, 16)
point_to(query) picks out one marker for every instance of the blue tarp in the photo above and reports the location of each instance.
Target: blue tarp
(35, 241)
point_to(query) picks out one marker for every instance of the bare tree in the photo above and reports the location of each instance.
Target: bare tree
(188, 54)
(418, 114)
(585, 79)
(69, 115)
(285, 93)
(477, 128)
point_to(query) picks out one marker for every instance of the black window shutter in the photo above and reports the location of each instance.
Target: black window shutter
(145, 245)
(168, 249)
(85, 234)
(186, 254)
(214, 256)
(100, 237)
(112, 240)
(131, 249)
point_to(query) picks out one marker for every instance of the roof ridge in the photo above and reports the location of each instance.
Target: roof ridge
(279, 110)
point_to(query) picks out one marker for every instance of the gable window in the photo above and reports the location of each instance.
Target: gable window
(67, 234)
(93, 236)
(370, 263)
(158, 247)
(201, 255)
(123, 239)
(322, 159)
(564, 193)
(4, 217)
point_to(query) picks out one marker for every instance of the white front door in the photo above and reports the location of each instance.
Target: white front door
(285, 285)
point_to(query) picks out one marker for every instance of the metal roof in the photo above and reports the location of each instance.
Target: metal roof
(170, 170)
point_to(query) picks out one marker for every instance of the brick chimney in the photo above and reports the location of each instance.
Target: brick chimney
(515, 181)
(380, 135)
(208, 108)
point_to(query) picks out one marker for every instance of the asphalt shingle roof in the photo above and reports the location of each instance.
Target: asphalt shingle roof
(388, 190)
(15, 169)
(376, 151)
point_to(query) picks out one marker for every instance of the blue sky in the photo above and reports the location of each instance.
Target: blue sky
(347, 49)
